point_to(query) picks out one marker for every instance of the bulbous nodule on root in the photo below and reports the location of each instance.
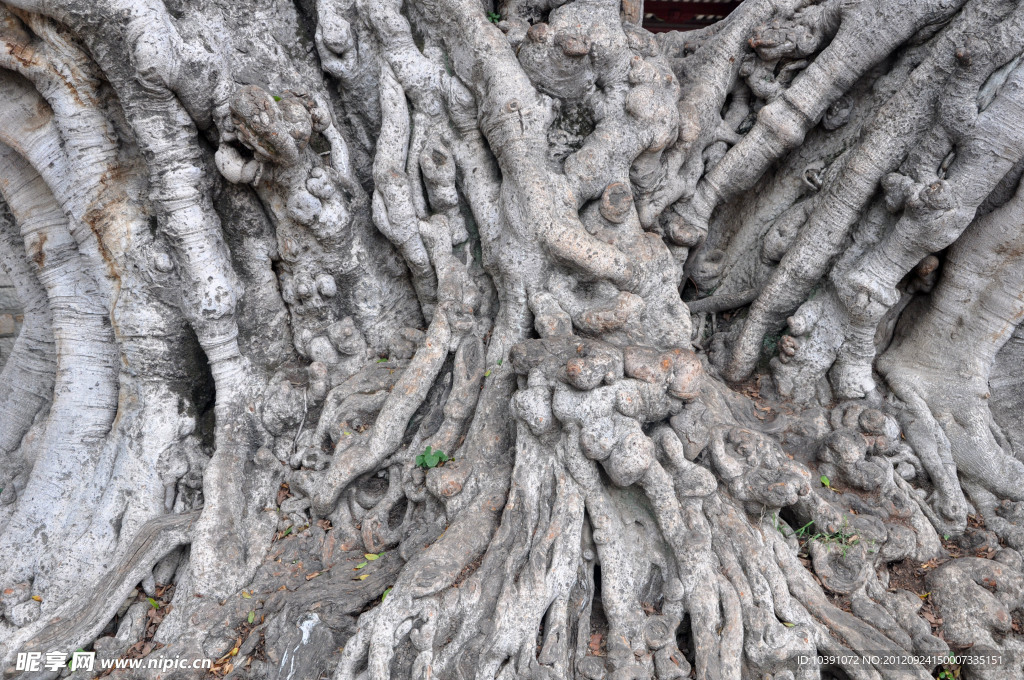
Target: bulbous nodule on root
(686, 524)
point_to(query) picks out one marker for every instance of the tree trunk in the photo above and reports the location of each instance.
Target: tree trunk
(373, 339)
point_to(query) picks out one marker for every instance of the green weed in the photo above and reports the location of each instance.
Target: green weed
(430, 458)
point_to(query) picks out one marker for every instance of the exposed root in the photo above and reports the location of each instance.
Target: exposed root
(402, 356)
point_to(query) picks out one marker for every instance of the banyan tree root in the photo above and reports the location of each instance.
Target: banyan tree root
(354, 338)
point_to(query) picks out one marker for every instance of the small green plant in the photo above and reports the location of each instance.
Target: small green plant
(153, 603)
(488, 371)
(251, 617)
(799, 533)
(825, 482)
(430, 458)
(844, 537)
(385, 595)
(804, 531)
(493, 17)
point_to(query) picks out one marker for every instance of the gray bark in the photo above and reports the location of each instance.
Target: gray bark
(718, 332)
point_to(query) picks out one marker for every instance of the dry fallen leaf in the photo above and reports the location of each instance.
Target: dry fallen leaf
(595, 644)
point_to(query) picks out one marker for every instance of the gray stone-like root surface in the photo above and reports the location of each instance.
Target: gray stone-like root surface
(505, 339)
